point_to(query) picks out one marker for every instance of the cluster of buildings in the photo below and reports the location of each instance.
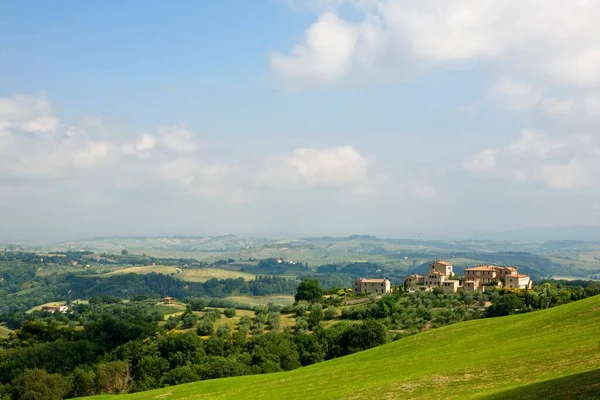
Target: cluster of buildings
(442, 276)
(478, 278)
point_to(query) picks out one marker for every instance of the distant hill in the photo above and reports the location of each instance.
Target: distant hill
(585, 233)
(550, 354)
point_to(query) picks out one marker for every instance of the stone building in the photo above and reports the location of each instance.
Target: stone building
(372, 285)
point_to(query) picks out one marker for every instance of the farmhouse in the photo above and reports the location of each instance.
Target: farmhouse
(413, 281)
(518, 281)
(169, 301)
(371, 285)
(477, 278)
(52, 309)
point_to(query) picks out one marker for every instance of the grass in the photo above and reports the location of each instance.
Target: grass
(553, 353)
(4, 331)
(190, 275)
(54, 304)
(204, 274)
(159, 269)
(252, 301)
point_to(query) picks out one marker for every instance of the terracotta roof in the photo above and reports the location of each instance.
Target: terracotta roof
(372, 280)
(481, 268)
(522, 276)
(442, 262)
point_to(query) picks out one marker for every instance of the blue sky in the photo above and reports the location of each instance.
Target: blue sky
(297, 117)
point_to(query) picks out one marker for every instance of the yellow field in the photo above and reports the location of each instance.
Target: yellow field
(54, 304)
(159, 269)
(4, 331)
(204, 274)
(281, 300)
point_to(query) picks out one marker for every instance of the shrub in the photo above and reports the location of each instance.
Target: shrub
(229, 312)
(205, 327)
(37, 384)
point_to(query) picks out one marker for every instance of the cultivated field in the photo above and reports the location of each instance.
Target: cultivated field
(280, 299)
(549, 354)
(191, 275)
(204, 274)
(159, 269)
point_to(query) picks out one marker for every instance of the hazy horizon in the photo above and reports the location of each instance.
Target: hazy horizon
(298, 118)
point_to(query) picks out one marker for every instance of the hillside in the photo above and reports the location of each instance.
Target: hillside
(547, 354)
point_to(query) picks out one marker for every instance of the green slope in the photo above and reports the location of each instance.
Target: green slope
(548, 354)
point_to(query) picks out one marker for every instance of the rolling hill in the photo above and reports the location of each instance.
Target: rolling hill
(550, 354)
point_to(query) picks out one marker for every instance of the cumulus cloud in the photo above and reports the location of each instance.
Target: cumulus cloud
(559, 162)
(35, 145)
(169, 155)
(305, 167)
(555, 42)
(177, 139)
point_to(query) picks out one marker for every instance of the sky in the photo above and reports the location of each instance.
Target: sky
(436, 118)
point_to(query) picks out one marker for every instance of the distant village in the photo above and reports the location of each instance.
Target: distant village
(441, 275)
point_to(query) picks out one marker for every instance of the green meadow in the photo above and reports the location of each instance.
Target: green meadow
(550, 354)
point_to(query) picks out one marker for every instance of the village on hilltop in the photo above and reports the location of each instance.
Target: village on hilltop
(442, 276)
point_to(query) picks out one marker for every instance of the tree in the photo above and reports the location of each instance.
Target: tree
(197, 304)
(223, 331)
(113, 377)
(83, 381)
(229, 312)
(315, 316)
(309, 290)
(124, 252)
(189, 321)
(504, 305)
(330, 313)
(205, 327)
(37, 384)
(309, 348)
(171, 323)
(274, 321)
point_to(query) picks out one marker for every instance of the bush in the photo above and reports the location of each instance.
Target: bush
(197, 304)
(229, 312)
(171, 323)
(330, 313)
(309, 290)
(205, 327)
(84, 382)
(274, 321)
(223, 331)
(113, 377)
(37, 384)
(189, 321)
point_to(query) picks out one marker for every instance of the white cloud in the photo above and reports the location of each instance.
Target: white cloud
(144, 144)
(556, 43)
(33, 114)
(339, 166)
(519, 95)
(177, 139)
(325, 54)
(485, 160)
(535, 144)
(591, 105)
(566, 163)
(424, 190)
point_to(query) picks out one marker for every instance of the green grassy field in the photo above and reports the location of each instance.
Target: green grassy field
(550, 354)
(279, 299)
